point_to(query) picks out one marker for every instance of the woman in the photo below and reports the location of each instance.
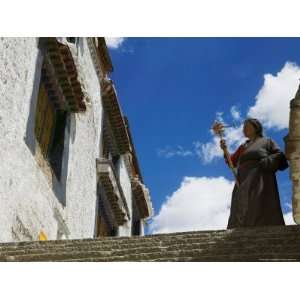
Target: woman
(255, 200)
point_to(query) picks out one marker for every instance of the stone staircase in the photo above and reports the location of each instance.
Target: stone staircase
(273, 243)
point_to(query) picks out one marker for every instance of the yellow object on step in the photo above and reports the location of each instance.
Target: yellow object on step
(42, 236)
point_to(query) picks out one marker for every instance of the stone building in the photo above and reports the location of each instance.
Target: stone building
(69, 169)
(292, 150)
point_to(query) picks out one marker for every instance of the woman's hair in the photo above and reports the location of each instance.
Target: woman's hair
(257, 126)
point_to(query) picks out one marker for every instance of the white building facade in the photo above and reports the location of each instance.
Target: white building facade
(69, 169)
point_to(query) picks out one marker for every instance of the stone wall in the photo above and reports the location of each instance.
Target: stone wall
(293, 153)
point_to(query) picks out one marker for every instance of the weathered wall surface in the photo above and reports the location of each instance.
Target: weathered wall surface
(81, 193)
(27, 203)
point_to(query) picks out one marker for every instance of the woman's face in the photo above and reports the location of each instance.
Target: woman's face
(249, 130)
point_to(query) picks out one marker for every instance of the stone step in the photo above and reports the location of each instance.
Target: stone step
(247, 244)
(161, 243)
(292, 257)
(179, 255)
(128, 254)
(155, 239)
(195, 255)
(260, 231)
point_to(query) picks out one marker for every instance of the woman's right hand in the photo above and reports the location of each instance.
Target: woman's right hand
(223, 144)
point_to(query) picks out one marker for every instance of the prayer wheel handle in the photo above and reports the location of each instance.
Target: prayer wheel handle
(218, 129)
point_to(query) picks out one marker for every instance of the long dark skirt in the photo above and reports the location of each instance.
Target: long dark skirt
(256, 201)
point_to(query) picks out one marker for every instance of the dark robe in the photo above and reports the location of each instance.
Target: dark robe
(255, 202)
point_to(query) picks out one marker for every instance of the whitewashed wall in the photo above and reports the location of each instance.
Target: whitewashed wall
(27, 202)
(81, 194)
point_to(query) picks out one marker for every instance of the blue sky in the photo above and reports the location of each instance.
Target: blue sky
(172, 89)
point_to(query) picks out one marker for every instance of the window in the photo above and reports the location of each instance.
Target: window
(49, 131)
(57, 146)
(44, 122)
(57, 94)
(136, 227)
(105, 148)
(116, 163)
(72, 40)
(104, 222)
(103, 228)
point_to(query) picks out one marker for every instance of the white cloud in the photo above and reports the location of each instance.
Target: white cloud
(169, 152)
(199, 204)
(207, 152)
(288, 218)
(114, 43)
(236, 115)
(219, 116)
(271, 108)
(273, 99)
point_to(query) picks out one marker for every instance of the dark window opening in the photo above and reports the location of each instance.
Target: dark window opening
(136, 227)
(71, 40)
(115, 161)
(55, 155)
(104, 224)
(105, 149)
